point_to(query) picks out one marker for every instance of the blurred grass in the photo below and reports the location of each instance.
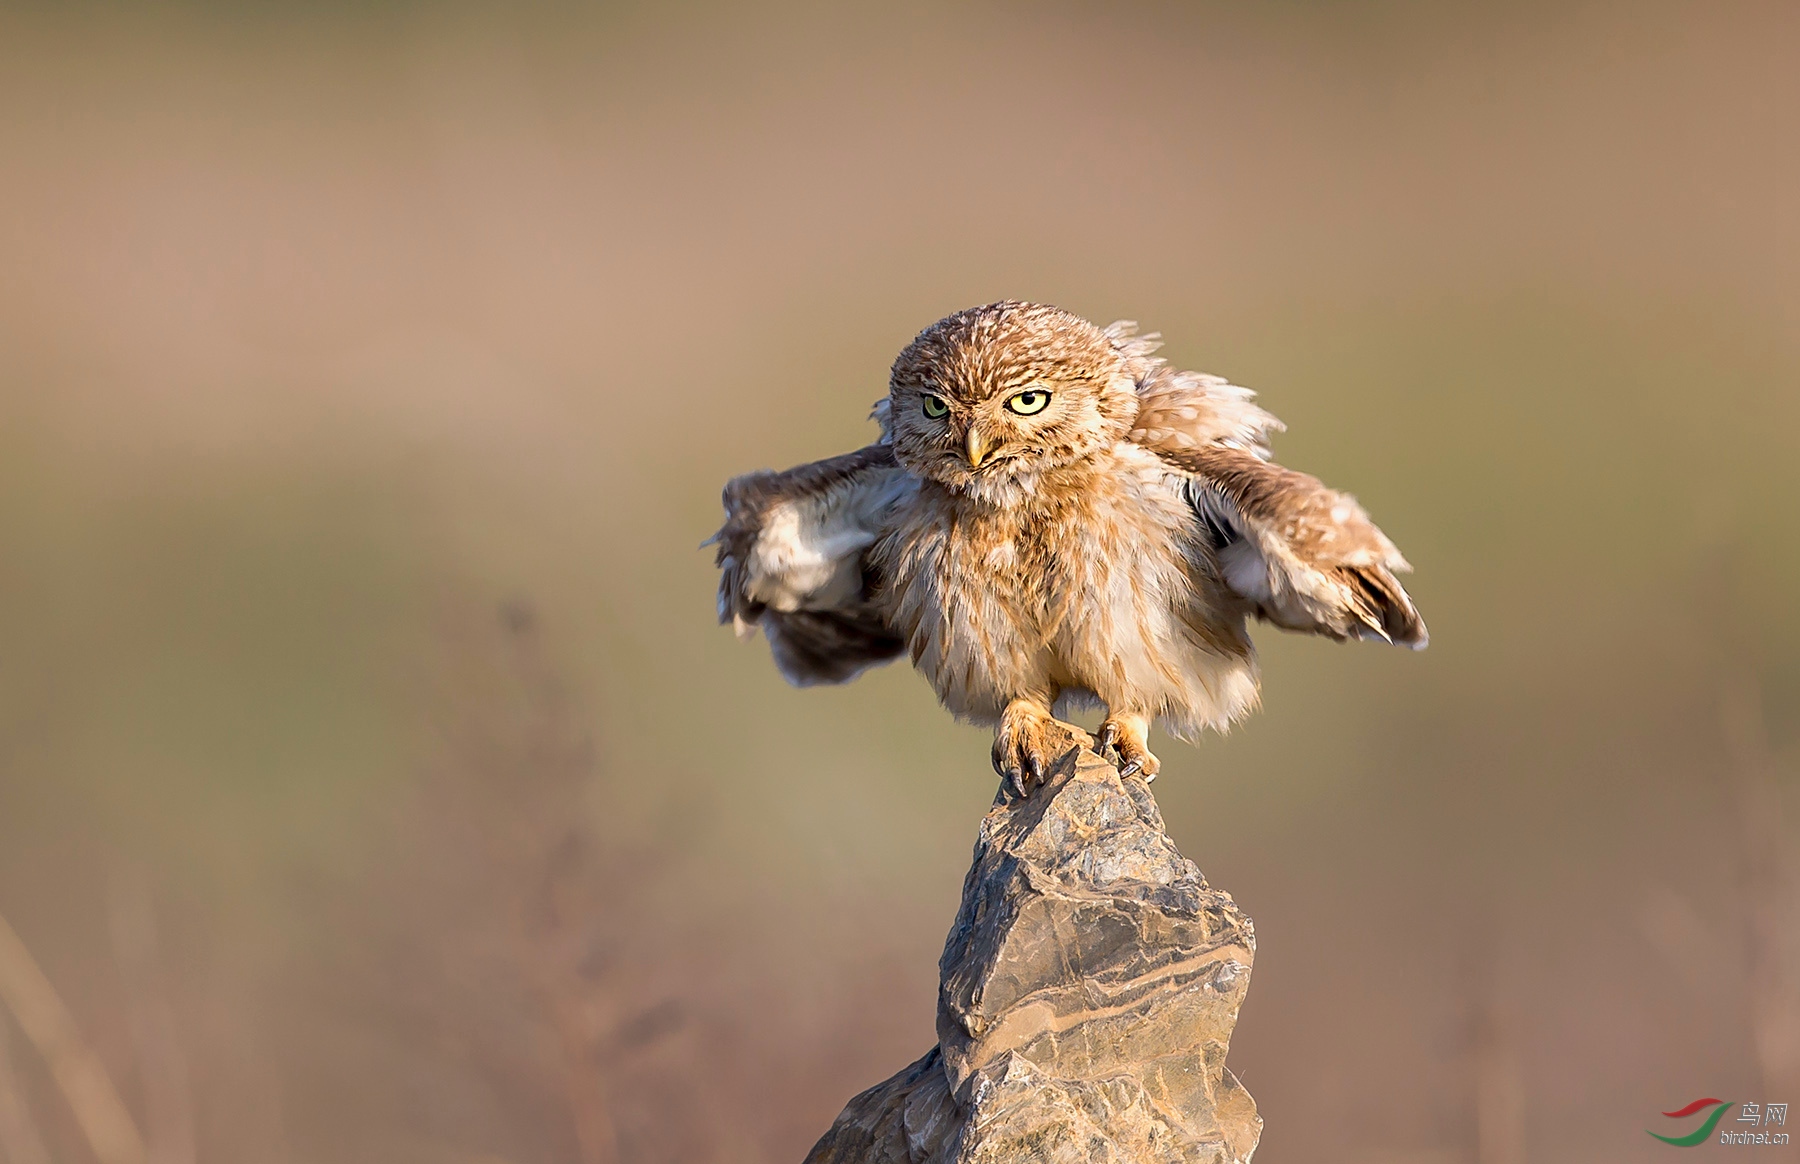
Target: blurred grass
(331, 336)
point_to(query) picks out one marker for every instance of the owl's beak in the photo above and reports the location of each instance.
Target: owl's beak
(976, 443)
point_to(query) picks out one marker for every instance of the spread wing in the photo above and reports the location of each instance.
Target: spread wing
(793, 560)
(1304, 555)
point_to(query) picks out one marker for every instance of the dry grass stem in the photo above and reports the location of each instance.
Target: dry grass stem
(103, 1117)
(1771, 888)
(20, 1140)
(155, 1029)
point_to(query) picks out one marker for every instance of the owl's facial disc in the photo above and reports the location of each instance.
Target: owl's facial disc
(987, 400)
(982, 438)
(980, 432)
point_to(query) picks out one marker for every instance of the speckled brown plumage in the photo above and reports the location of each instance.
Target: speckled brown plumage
(1054, 517)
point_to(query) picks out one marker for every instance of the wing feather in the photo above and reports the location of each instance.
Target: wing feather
(1186, 410)
(1306, 556)
(792, 560)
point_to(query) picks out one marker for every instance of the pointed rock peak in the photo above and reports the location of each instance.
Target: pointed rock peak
(1087, 994)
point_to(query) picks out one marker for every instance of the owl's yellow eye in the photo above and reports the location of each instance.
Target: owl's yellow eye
(935, 407)
(1029, 401)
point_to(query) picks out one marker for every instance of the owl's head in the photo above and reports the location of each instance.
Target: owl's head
(989, 398)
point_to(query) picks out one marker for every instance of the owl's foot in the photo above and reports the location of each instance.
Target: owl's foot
(1123, 739)
(1029, 742)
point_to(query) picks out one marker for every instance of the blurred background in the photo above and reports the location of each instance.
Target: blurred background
(375, 785)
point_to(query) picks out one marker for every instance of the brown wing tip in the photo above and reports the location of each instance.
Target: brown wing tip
(1404, 626)
(1385, 609)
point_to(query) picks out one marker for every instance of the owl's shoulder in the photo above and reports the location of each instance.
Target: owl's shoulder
(1131, 475)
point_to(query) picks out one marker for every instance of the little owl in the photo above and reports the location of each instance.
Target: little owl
(1053, 518)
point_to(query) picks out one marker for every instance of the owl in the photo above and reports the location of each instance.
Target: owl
(1054, 518)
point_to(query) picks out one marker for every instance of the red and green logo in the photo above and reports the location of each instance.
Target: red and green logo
(1699, 1134)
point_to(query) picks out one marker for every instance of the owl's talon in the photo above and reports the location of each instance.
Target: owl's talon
(1122, 742)
(1028, 743)
(1106, 743)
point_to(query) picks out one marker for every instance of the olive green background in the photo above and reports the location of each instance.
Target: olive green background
(367, 379)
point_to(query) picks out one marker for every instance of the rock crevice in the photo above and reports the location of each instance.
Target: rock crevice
(1087, 994)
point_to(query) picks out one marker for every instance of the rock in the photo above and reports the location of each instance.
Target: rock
(1086, 999)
